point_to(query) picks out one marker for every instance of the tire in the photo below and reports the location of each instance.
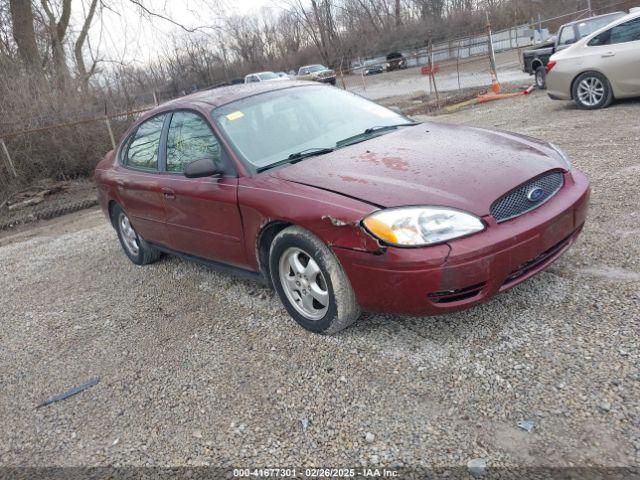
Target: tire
(541, 77)
(138, 251)
(592, 91)
(290, 255)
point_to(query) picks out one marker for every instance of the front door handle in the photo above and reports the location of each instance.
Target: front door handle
(608, 54)
(168, 193)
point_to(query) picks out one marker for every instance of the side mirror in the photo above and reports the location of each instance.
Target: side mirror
(205, 167)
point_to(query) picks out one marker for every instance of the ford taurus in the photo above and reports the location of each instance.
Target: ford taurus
(340, 204)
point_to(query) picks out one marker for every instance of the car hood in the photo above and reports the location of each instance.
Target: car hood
(428, 164)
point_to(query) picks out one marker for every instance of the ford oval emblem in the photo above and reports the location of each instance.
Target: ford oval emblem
(535, 194)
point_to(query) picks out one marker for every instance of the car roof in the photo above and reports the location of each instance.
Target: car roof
(208, 99)
(588, 19)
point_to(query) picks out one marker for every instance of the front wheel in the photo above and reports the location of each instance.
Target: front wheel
(311, 282)
(592, 90)
(541, 77)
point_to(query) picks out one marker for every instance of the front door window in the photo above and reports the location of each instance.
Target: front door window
(189, 139)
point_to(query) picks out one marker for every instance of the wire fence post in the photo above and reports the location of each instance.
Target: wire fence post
(458, 66)
(111, 137)
(155, 98)
(12, 168)
(109, 129)
(432, 74)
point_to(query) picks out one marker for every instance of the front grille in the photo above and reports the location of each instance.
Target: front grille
(517, 202)
(449, 296)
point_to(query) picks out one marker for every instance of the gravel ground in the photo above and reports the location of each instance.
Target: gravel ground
(200, 368)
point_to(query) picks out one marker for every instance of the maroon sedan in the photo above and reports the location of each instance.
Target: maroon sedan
(339, 203)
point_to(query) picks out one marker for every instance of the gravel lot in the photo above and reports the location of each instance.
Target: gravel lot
(197, 367)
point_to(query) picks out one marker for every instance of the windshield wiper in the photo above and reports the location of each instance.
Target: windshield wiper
(296, 157)
(361, 137)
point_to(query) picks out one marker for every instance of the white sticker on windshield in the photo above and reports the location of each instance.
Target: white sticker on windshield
(235, 115)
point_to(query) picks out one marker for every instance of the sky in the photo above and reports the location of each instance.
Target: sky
(123, 34)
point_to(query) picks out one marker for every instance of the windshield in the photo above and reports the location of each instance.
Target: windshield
(268, 127)
(317, 68)
(589, 26)
(267, 76)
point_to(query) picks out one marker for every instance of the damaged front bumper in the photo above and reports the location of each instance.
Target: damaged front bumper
(469, 271)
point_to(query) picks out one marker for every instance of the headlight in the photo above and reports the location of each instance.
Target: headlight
(563, 156)
(420, 226)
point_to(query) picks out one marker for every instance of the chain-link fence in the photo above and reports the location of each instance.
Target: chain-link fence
(461, 63)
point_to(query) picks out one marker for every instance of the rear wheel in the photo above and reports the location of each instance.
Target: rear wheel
(311, 282)
(592, 90)
(138, 251)
(541, 77)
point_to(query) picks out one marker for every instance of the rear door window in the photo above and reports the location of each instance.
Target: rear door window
(189, 139)
(626, 32)
(144, 145)
(623, 33)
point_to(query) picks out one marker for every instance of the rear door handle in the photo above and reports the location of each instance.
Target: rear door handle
(168, 193)
(608, 54)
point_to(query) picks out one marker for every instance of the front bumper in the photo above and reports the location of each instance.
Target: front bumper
(468, 271)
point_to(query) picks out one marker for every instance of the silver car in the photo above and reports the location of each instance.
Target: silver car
(599, 68)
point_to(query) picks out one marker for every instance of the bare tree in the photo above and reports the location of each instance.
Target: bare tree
(83, 74)
(24, 33)
(57, 33)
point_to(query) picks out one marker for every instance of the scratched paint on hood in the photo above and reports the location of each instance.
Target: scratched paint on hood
(428, 164)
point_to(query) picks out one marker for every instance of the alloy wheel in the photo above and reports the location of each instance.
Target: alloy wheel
(591, 91)
(304, 283)
(129, 236)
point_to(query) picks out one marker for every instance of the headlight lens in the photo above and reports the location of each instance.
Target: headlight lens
(563, 156)
(421, 226)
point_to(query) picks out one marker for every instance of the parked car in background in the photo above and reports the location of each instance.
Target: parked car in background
(374, 70)
(283, 75)
(340, 203)
(317, 73)
(396, 61)
(535, 60)
(599, 68)
(261, 77)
